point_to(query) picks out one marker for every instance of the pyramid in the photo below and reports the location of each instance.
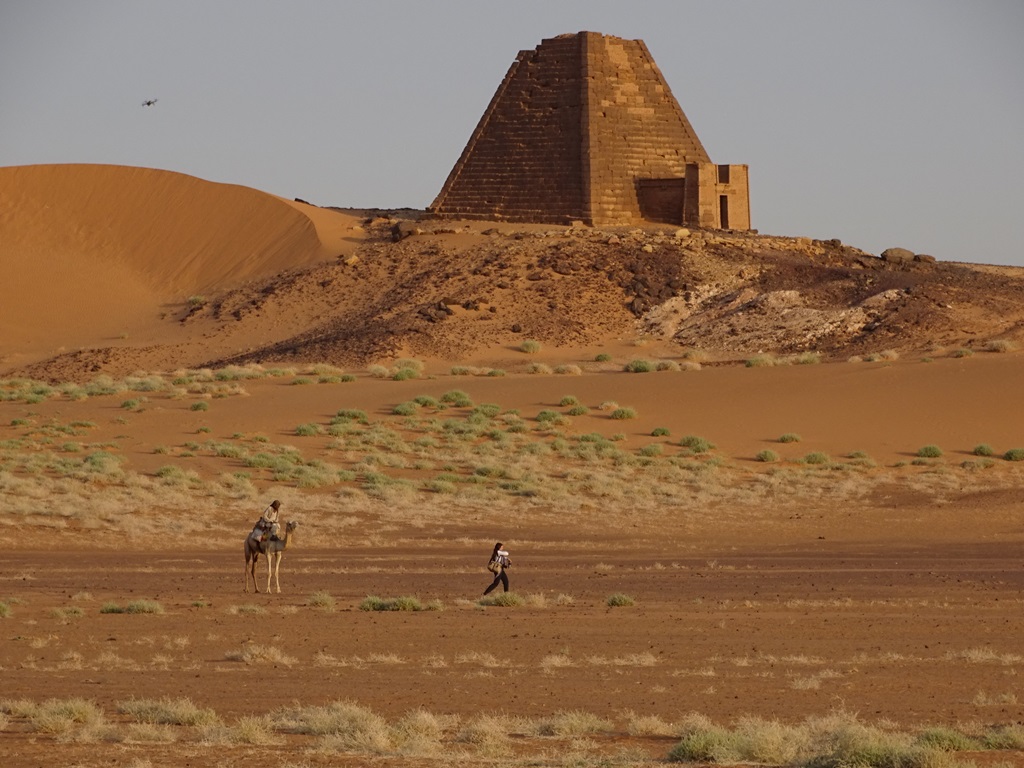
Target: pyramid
(585, 128)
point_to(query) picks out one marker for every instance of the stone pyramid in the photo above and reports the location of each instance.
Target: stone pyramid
(583, 127)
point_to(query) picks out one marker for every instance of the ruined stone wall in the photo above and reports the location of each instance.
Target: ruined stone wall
(523, 162)
(635, 127)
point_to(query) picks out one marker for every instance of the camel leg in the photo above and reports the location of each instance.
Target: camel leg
(270, 569)
(277, 573)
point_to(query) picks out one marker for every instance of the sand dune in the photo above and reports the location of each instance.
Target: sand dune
(114, 247)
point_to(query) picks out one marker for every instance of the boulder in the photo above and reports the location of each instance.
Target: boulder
(924, 257)
(403, 229)
(897, 255)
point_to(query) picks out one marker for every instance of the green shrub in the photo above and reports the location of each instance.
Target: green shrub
(767, 456)
(651, 450)
(404, 374)
(696, 444)
(817, 457)
(603, 357)
(761, 361)
(202, 405)
(351, 414)
(962, 352)
(639, 366)
(619, 600)
(457, 398)
(668, 365)
(5, 610)
(309, 430)
(530, 346)
(578, 410)
(488, 410)
(930, 451)
(983, 449)
(789, 437)
(1014, 454)
(660, 432)
(623, 413)
(405, 409)
(999, 345)
(426, 401)
(568, 400)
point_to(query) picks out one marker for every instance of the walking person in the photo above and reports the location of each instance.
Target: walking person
(497, 565)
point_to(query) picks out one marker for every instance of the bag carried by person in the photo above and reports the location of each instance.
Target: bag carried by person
(494, 566)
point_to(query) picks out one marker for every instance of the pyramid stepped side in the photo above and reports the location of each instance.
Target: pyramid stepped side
(523, 161)
(636, 129)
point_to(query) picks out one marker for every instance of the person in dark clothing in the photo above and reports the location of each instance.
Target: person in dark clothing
(497, 565)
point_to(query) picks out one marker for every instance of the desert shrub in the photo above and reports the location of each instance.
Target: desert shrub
(962, 352)
(457, 398)
(168, 711)
(461, 370)
(426, 401)
(409, 364)
(487, 410)
(930, 451)
(503, 600)
(404, 374)
(405, 603)
(530, 346)
(405, 409)
(539, 369)
(322, 600)
(697, 444)
(639, 366)
(623, 413)
(5, 610)
(575, 723)
(202, 405)
(806, 358)
(660, 432)
(549, 416)
(568, 400)
(767, 456)
(378, 371)
(568, 369)
(350, 414)
(608, 405)
(761, 361)
(309, 430)
(668, 365)
(983, 449)
(817, 457)
(578, 410)
(1014, 454)
(651, 450)
(789, 437)
(602, 357)
(619, 600)
(998, 345)
(496, 373)
(946, 740)
(135, 606)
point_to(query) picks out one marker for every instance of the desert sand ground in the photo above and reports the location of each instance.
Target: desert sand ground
(848, 583)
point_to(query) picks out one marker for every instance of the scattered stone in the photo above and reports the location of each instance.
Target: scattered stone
(680, 234)
(614, 240)
(351, 261)
(924, 257)
(648, 248)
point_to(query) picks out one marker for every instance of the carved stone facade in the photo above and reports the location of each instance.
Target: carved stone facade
(585, 128)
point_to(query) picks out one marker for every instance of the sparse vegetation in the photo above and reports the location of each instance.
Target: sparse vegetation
(530, 346)
(767, 456)
(639, 366)
(619, 600)
(930, 451)
(789, 437)
(1014, 454)
(983, 449)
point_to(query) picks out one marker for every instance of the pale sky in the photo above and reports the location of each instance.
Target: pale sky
(879, 122)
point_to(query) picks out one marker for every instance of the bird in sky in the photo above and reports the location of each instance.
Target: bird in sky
(150, 102)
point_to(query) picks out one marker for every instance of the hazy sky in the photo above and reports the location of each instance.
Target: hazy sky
(880, 122)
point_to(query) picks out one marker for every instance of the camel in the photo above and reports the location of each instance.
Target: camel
(273, 548)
